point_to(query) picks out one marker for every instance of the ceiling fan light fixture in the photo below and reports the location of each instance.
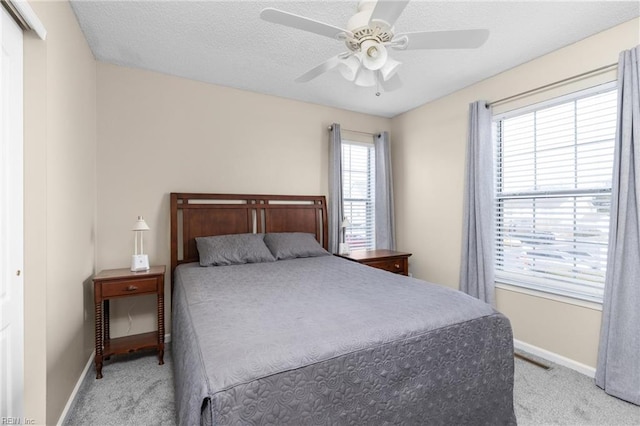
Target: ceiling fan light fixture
(374, 54)
(365, 78)
(349, 67)
(389, 69)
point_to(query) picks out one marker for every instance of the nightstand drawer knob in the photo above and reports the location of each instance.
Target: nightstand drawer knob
(131, 288)
(397, 266)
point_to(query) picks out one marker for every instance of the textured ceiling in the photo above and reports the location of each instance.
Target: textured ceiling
(226, 43)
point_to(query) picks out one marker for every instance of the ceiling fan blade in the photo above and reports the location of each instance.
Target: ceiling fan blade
(300, 22)
(320, 69)
(394, 83)
(460, 39)
(388, 11)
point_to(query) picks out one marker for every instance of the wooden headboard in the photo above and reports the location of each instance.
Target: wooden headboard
(200, 215)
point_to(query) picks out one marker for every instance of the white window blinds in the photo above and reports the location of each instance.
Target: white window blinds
(553, 194)
(358, 191)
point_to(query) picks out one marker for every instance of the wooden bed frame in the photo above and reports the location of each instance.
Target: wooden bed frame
(199, 215)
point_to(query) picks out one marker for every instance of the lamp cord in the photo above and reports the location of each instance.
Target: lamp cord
(129, 315)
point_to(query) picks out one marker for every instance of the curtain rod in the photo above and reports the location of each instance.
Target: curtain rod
(554, 84)
(356, 131)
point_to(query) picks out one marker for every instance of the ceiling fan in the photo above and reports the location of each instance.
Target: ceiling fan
(368, 36)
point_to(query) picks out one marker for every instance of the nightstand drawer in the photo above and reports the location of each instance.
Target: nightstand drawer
(399, 266)
(388, 260)
(129, 287)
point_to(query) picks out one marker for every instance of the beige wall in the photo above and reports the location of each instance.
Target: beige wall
(429, 158)
(60, 198)
(159, 134)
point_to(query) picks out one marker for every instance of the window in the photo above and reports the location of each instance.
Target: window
(553, 193)
(358, 192)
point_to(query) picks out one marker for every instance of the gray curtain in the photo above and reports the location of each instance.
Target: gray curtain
(618, 369)
(335, 207)
(476, 269)
(385, 219)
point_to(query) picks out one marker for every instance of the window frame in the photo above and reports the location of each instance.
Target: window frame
(369, 230)
(498, 197)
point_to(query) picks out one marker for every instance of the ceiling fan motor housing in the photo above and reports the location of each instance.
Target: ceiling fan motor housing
(363, 29)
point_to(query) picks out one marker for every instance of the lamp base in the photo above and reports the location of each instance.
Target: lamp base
(344, 248)
(139, 262)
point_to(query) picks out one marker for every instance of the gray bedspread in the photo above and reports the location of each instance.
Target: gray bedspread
(328, 341)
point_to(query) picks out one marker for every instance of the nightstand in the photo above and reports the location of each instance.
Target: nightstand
(389, 260)
(118, 283)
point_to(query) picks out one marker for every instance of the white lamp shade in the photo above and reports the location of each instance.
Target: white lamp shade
(349, 67)
(374, 54)
(365, 77)
(140, 225)
(390, 68)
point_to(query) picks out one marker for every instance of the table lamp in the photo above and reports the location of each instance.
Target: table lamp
(344, 247)
(139, 261)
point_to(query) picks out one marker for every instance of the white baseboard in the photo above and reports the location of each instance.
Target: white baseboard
(72, 397)
(555, 358)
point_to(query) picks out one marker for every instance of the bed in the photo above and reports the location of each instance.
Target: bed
(319, 339)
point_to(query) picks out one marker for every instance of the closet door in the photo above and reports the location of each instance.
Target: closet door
(11, 222)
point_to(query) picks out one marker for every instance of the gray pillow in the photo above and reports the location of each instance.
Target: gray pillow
(289, 245)
(233, 249)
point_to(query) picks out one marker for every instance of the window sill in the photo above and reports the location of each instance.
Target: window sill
(550, 296)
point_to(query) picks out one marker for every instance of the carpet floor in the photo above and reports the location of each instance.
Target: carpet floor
(135, 390)
(561, 396)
